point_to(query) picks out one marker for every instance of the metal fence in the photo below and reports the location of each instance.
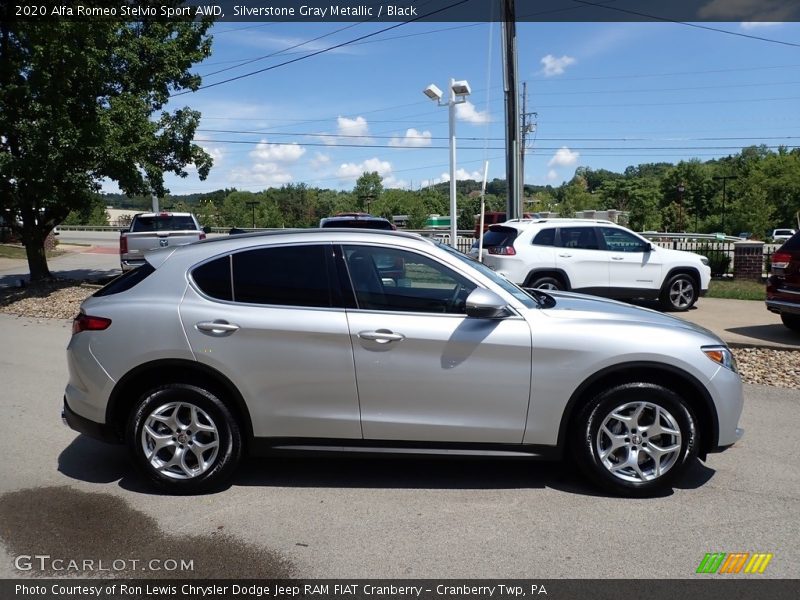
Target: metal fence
(719, 253)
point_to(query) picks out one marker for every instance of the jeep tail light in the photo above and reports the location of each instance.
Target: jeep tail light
(780, 260)
(202, 236)
(123, 244)
(89, 323)
(502, 250)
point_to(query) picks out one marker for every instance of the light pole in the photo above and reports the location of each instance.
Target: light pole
(724, 179)
(252, 204)
(459, 90)
(681, 189)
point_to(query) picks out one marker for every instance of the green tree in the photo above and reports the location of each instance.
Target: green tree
(368, 189)
(92, 214)
(84, 100)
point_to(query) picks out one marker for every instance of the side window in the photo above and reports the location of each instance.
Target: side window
(399, 280)
(285, 275)
(583, 238)
(214, 278)
(619, 240)
(546, 237)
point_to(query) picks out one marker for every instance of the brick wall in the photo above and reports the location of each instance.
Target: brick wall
(748, 260)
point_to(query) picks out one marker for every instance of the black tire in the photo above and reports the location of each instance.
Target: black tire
(545, 283)
(610, 466)
(679, 293)
(212, 451)
(791, 321)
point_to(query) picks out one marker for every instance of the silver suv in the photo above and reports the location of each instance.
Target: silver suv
(369, 341)
(594, 257)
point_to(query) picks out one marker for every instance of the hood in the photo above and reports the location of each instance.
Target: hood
(580, 306)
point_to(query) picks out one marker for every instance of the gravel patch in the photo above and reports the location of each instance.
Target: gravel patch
(61, 299)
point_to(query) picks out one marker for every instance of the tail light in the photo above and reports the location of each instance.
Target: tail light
(502, 250)
(123, 244)
(202, 236)
(781, 260)
(89, 323)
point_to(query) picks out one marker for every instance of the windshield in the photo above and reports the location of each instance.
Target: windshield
(504, 283)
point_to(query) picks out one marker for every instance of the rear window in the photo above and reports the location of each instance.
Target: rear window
(793, 243)
(125, 281)
(499, 236)
(163, 223)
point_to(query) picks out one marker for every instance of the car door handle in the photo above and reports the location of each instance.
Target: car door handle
(382, 336)
(565, 255)
(218, 327)
(617, 258)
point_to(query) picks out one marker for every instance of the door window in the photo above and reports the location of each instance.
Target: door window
(583, 238)
(619, 240)
(399, 280)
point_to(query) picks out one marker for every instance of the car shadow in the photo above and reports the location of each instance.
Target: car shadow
(98, 276)
(88, 460)
(775, 333)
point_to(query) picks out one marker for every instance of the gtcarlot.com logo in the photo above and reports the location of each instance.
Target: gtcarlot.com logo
(722, 563)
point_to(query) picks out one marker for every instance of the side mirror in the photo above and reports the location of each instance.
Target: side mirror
(206, 229)
(485, 304)
(648, 248)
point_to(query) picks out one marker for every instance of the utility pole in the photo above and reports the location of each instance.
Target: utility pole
(512, 113)
(724, 179)
(528, 126)
(252, 204)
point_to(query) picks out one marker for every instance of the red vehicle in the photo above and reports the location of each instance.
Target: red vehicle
(494, 217)
(783, 284)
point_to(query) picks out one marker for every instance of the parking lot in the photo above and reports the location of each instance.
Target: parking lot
(70, 497)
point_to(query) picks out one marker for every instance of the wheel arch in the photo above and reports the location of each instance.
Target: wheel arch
(673, 378)
(134, 383)
(690, 271)
(548, 272)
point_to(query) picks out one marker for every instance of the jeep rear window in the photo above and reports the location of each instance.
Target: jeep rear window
(163, 223)
(499, 236)
(125, 281)
(359, 223)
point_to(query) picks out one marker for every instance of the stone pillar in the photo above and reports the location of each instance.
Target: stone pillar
(748, 260)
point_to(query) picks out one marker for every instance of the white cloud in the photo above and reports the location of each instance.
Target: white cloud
(265, 151)
(552, 175)
(412, 139)
(356, 127)
(392, 182)
(758, 24)
(467, 112)
(216, 152)
(320, 160)
(556, 66)
(266, 174)
(355, 170)
(464, 174)
(564, 157)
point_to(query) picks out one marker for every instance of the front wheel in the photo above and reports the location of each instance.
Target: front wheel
(680, 293)
(184, 439)
(636, 439)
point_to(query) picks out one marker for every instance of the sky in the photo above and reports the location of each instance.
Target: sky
(606, 96)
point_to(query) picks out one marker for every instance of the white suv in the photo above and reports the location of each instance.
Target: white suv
(595, 257)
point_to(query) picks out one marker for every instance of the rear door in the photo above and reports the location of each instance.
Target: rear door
(271, 319)
(578, 255)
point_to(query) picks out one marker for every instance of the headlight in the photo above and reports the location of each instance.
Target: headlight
(704, 260)
(721, 355)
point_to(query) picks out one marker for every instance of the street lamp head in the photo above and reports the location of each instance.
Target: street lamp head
(461, 88)
(433, 92)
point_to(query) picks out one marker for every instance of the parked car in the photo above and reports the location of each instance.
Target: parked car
(299, 341)
(781, 235)
(358, 221)
(596, 257)
(783, 283)
(148, 231)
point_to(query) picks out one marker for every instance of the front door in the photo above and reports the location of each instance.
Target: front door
(424, 370)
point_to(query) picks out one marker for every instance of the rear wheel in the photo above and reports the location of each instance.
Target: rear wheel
(636, 439)
(184, 439)
(680, 293)
(792, 322)
(546, 283)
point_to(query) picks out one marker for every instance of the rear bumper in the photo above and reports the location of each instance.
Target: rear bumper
(98, 431)
(783, 307)
(129, 265)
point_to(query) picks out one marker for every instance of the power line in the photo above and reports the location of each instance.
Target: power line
(322, 51)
